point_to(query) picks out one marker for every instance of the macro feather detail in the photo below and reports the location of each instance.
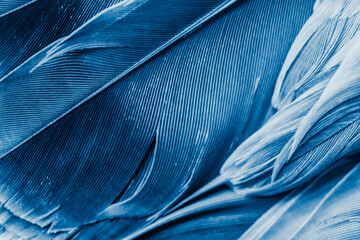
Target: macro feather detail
(74, 68)
(307, 133)
(104, 128)
(220, 215)
(308, 212)
(7, 6)
(143, 119)
(328, 208)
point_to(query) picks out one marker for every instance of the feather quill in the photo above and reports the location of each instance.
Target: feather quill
(141, 103)
(69, 71)
(8, 6)
(328, 208)
(29, 28)
(307, 134)
(220, 215)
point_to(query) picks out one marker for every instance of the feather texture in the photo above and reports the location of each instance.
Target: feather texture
(220, 215)
(308, 133)
(117, 116)
(142, 102)
(326, 209)
(67, 72)
(31, 27)
(7, 6)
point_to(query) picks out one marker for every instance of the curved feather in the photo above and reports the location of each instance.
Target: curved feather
(307, 134)
(221, 215)
(31, 27)
(250, 166)
(13, 227)
(172, 105)
(320, 46)
(159, 132)
(334, 117)
(326, 209)
(121, 119)
(67, 72)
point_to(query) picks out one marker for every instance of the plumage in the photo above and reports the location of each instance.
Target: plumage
(328, 208)
(219, 215)
(307, 134)
(31, 27)
(8, 6)
(67, 72)
(117, 117)
(159, 132)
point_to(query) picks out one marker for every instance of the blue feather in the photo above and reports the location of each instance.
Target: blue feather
(117, 116)
(316, 96)
(328, 208)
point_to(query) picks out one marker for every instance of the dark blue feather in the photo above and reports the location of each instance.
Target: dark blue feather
(111, 120)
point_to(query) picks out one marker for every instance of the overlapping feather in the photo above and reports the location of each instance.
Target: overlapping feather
(62, 75)
(143, 102)
(220, 215)
(318, 110)
(112, 118)
(326, 209)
